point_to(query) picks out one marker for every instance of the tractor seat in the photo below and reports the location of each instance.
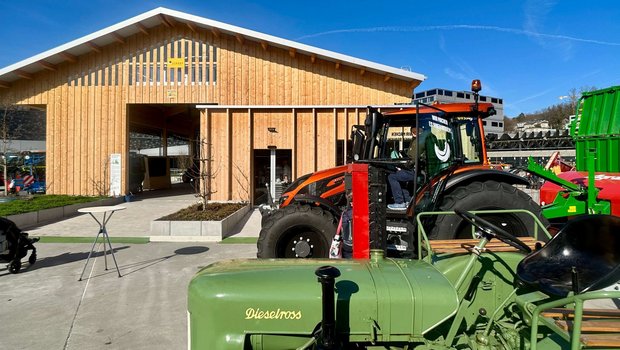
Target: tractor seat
(583, 256)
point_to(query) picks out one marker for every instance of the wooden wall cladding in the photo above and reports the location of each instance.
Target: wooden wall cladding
(86, 101)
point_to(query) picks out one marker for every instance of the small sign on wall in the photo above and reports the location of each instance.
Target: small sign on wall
(115, 174)
(171, 94)
(176, 62)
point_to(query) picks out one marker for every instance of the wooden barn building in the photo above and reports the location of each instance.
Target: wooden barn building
(263, 109)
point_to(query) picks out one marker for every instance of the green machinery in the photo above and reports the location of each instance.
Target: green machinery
(574, 198)
(468, 294)
(594, 188)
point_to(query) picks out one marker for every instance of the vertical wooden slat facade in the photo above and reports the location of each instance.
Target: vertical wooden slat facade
(87, 104)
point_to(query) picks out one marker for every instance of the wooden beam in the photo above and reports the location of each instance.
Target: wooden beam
(94, 46)
(337, 65)
(292, 52)
(313, 58)
(362, 71)
(216, 32)
(191, 27)
(142, 28)
(264, 45)
(239, 38)
(118, 38)
(4, 84)
(48, 66)
(166, 21)
(69, 57)
(25, 75)
(386, 78)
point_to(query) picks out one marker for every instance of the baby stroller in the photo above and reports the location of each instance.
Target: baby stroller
(14, 245)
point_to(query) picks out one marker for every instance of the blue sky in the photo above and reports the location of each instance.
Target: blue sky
(527, 52)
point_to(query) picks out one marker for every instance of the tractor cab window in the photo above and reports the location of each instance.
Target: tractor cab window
(398, 142)
(435, 143)
(471, 145)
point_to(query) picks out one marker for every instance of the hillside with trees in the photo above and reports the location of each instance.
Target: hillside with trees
(556, 114)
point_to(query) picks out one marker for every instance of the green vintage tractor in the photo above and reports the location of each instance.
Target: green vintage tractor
(493, 291)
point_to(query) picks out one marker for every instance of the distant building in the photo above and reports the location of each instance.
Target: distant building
(534, 126)
(492, 125)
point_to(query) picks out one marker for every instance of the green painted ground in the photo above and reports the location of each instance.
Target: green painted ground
(123, 240)
(239, 240)
(134, 240)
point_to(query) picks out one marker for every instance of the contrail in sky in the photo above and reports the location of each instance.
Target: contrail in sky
(459, 26)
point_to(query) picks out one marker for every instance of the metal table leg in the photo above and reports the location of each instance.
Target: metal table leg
(106, 238)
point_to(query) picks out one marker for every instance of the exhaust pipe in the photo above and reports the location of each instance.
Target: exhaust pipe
(327, 276)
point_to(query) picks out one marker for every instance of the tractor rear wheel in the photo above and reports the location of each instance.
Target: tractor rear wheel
(487, 195)
(297, 231)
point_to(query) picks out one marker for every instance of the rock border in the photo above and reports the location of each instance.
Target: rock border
(46, 216)
(205, 231)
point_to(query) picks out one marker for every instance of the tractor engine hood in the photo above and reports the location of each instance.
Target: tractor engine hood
(234, 303)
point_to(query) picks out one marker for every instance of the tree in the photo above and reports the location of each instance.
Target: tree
(202, 184)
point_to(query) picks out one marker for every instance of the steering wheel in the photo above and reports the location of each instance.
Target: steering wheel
(492, 230)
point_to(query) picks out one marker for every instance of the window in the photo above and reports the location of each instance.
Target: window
(501, 101)
(493, 99)
(340, 152)
(493, 123)
(447, 93)
(501, 125)
(483, 98)
(484, 122)
(419, 95)
(468, 96)
(431, 92)
(460, 95)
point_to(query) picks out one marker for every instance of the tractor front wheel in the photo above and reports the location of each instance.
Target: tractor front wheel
(297, 231)
(487, 195)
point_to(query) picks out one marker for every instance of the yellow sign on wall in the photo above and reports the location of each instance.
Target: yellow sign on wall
(171, 94)
(176, 62)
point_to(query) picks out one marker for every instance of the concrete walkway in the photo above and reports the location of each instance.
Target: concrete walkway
(135, 221)
(46, 307)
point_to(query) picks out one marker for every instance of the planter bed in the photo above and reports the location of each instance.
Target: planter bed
(37, 218)
(207, 231)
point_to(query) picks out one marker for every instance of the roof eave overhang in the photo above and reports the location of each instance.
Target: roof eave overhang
(115, 33)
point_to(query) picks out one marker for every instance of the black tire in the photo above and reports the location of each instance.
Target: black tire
(487, 195)
(15, 266)
(32, 259)
(297, 231)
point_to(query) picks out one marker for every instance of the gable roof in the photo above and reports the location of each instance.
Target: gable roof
(141, 23)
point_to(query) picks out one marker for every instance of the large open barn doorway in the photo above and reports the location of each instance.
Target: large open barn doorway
(162, 146)
(22, 149)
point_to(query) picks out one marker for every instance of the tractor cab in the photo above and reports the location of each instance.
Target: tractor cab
(446, 163)
(432, 141)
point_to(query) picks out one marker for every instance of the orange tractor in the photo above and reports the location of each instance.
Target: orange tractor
(451, 167)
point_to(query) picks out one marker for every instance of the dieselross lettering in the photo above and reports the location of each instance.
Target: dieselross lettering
(258, 314)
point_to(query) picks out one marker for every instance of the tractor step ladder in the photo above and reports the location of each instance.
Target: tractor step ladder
(599, 327)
